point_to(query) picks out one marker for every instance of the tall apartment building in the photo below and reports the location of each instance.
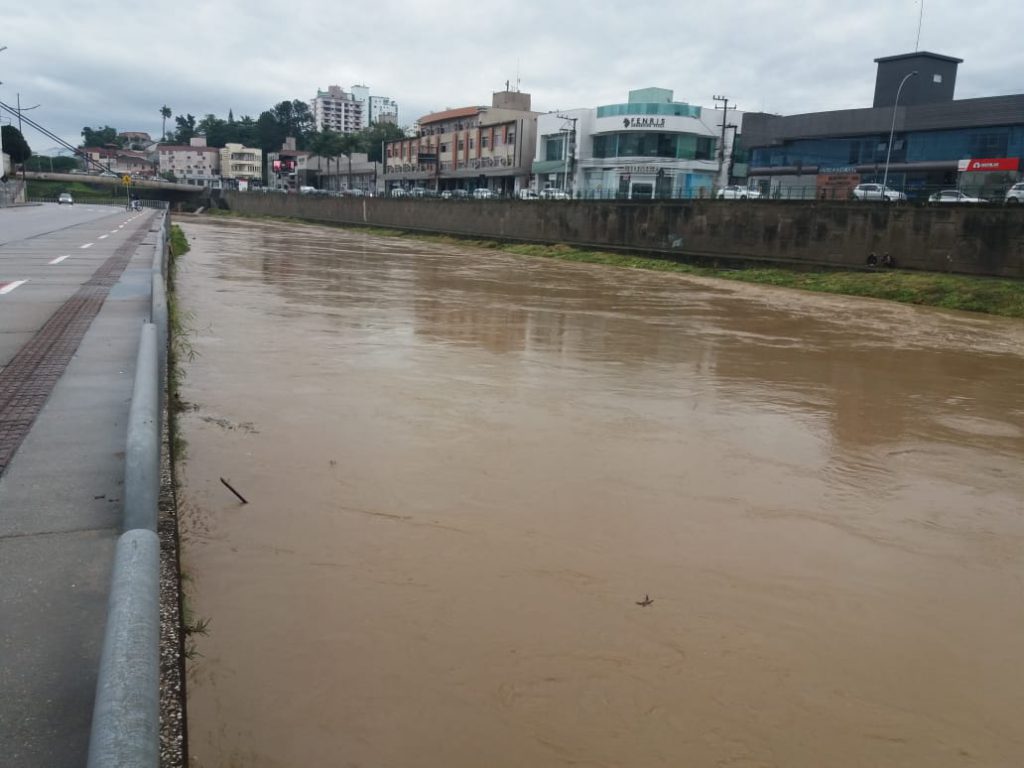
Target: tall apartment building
(348, 112)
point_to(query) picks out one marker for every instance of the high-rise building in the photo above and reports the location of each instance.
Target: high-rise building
(348, 112)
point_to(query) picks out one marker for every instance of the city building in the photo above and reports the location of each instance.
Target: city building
(647, 147)
(241, 166)
(468, 148)
(938, 142)
(288, 169)
(194, 163)
(348, 112)
(355, 173)
(119, 161)
(383, 110)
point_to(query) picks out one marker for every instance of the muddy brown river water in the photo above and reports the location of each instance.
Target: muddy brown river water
(466, 469)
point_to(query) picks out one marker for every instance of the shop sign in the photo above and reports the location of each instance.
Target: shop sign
(640, 169)
(985, 164)
(643, 122)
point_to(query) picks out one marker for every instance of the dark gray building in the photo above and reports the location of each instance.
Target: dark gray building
(934, 136)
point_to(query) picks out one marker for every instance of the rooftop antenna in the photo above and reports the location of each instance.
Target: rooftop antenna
(517, 76)
(920, 18)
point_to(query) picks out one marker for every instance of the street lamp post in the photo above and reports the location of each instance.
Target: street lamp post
(892, 131)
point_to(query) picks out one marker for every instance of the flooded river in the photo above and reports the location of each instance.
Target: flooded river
(466, 470)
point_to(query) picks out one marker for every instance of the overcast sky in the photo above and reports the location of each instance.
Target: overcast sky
(116, 63)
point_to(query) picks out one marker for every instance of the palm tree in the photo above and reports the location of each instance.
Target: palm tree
(165, 112)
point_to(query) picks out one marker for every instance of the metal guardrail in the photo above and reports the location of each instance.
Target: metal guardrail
(126, 714)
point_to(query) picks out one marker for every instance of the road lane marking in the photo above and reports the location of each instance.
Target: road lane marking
(59, 259)
(87, 245)
(104, 237)
(8, 287)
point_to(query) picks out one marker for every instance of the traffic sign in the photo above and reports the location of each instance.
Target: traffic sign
(126, 180)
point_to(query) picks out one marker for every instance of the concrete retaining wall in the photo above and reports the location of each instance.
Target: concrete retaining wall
(977, 240)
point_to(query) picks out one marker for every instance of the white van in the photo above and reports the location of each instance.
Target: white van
(307, 190)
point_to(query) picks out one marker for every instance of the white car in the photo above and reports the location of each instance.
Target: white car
(553, 193)
(1015, 195)
(65, 197)
(483, 193)
(528, 194)
(954, 196)
(736, 192)
(876, 192)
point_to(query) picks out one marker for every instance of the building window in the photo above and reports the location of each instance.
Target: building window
(483, 142)
(462, 144)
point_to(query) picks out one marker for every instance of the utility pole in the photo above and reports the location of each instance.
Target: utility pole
(721, 148)
(567, 131)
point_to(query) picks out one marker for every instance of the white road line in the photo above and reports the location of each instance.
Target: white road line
(8, 287)
(59, 259)
(104, 237)
(113, 231)
(87, 245)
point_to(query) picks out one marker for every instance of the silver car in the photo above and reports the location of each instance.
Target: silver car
(954, 196)
(876, 192)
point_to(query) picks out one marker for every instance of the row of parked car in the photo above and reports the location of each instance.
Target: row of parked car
(1014, 196)
(480, 193)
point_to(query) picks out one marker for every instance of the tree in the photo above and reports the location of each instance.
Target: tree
(99, 137)
(186, 128)
(165, 112)
(14, 144)
(216, 131)
(56, 164)
(372, 137)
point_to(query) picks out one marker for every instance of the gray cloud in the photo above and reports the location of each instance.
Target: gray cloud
(116, 64)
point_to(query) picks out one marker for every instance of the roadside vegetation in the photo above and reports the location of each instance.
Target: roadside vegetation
(989, 295)
(180, 347)
(81, 192)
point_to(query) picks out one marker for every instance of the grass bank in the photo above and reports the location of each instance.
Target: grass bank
(990, 295)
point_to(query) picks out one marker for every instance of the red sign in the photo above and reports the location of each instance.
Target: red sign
(990, 164)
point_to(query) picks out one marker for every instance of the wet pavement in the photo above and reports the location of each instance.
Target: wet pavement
(466, 469)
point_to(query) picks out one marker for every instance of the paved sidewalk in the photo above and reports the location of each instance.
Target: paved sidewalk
(60, 516)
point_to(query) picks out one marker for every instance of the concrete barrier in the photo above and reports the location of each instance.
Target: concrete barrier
(970, 239)
(142, 452)
(126, 713)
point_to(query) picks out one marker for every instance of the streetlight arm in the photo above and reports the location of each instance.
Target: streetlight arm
(892, 130)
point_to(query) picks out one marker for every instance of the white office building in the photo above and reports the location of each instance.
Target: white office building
(648, 147)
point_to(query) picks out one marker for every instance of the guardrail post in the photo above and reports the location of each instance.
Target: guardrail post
(142, 452)
(126, 714)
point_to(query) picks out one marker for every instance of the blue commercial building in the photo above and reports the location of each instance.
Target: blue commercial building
(937, 142)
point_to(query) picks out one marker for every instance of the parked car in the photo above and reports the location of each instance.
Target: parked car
(1015, 195)
(954, 196)
(736, 192)
(553, 193)
(65, 197)
(528, 194)
(483, 193)
(397, 192)
(876, 192)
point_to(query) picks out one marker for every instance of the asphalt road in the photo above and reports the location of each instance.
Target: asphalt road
(60, 494)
